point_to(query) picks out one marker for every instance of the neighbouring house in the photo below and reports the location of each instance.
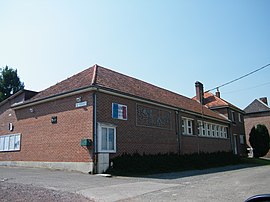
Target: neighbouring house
(257, 112)
(84, 121)
(234, 114)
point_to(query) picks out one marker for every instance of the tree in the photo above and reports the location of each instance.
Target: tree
(259, 140)
(9, 83)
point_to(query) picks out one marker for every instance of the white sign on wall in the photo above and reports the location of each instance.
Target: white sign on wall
(81, 104)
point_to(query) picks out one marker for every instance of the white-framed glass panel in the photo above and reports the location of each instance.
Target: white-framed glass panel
(213, 132)
(217, 131)
(200, 128)
(106, 138)
(6, 143)
(221, 131)
(225, 133)
(17, 143)
(2, 143)
(11, 142)
(189, 127)
(240, 117)
(184, 126)
(204, 129)
(208, 129)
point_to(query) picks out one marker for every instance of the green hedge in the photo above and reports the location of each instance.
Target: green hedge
(147, 164)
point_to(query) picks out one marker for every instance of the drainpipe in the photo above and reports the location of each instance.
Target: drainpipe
(95, 132)
(177, 131)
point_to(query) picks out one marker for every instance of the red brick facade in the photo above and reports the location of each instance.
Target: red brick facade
(43, 141)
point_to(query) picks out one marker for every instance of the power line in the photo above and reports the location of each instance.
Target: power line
(241, 77)
(245, 89)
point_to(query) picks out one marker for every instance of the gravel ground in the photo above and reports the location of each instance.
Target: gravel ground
(21, 192)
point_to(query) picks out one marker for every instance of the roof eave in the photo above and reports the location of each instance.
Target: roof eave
(52, 97)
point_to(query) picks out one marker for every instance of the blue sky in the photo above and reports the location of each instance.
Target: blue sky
(170, 43)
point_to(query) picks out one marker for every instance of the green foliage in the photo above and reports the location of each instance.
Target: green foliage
(9, 82)
(259, 140)
(146, 164)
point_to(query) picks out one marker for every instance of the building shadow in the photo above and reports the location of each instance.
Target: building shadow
(191, 173)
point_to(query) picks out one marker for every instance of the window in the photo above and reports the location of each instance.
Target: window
(233, 116)
(242, 140)
(240, 117)
(208, 127)
(225, 132)
(106, 138)
(187, 126)
(199, 124)
(10, 142)
(217, 131)
(213, 132)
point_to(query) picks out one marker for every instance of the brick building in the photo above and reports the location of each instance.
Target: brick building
(257, 112)
(97, 114)
(234, 114)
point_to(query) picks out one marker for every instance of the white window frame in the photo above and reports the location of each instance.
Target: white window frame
(107, 127)
(186, 127)
(240, 117)
(199, 126)
(212, 130)
(11, 142)
(225, 133)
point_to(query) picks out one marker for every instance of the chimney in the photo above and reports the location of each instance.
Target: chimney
(218, 93)
(199, 91)
(264, 100)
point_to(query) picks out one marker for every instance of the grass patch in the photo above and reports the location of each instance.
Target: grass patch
(256, 161)
(136, 164)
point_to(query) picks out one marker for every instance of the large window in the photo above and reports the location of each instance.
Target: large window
(10, 142)
(106, 138)
(212, 130)
(187, 126)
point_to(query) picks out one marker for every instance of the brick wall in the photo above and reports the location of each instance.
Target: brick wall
(132, 137)
(43, 141)
(255, 119)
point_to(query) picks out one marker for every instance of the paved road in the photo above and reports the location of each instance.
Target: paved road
(234, 183)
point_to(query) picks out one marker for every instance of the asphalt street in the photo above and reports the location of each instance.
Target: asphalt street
(232, 183)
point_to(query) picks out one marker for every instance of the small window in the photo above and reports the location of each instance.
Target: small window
(242, 140)
(106, 138)
(240, 118)
(217, 131)
(213, 130)
(225, 133)
(233, 116)
(209, 130)
(187, 126)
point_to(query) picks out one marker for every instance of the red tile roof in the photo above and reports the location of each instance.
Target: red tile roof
(212, 101)
(103, 77)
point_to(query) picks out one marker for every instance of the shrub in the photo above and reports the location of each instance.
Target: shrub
(146, 164)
